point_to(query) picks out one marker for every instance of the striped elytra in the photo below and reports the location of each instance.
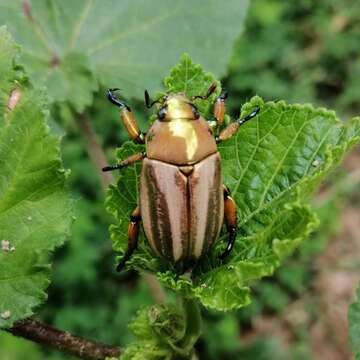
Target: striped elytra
(181, 189)
(182, 209)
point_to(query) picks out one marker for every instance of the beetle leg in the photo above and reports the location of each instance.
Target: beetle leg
(127, 117)
(233, 127)
(219, 108)
(133, 235)
(132, 159)
(230, 220)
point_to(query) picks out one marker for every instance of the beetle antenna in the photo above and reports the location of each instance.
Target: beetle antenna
(224, 95)
(147, 99)
(254, 112)
(148, 102)
(211, 89)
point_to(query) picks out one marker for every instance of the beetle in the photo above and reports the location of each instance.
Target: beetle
(183, 201)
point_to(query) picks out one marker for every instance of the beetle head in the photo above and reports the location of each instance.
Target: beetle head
(177, 106)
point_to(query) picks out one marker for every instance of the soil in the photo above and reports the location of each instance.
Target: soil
(322, 310)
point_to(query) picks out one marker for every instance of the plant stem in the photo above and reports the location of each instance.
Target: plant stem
(61, 340)
(98, 158)
(184, 350)
(193, 322)
(94, 150)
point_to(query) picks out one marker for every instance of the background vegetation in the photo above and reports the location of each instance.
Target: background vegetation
(301, 51)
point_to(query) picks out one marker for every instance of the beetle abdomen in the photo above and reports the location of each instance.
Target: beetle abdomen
(182, 211)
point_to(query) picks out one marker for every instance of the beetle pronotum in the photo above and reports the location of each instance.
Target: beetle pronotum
(183, 201)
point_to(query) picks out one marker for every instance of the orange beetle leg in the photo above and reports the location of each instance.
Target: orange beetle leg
(132, 159)
(231, 222)
(133, 235)
(127, 117)
(219, 108)
(233, 127)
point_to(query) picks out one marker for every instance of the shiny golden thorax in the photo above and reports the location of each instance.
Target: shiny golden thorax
(178, 107)
(179, 136)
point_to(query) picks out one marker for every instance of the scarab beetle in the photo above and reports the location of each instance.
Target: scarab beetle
(183, 201)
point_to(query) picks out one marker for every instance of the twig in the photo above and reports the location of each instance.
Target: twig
(94, 150)
(61, 340)
(98, 158)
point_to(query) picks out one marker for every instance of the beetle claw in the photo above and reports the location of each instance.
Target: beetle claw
(232, 236)
(112, 167)
(254, 112)
(224, 95)
(114, 99)
(121, 265)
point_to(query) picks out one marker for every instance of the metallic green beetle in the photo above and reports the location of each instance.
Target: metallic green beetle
(183, 201)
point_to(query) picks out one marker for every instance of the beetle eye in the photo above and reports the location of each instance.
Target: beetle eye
(195, 111)
(162, 113)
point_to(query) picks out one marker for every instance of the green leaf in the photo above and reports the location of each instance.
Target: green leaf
(165, 332)
(354, 326)
(272, 166)
(35, 211)
(16, 348)
(11, 71)
(191, 79)
(73, 81)
(130, 44)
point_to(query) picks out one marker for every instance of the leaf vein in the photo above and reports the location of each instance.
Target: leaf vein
(254, 152)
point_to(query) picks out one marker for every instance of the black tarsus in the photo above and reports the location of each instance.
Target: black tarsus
(115, 100)
(211, 89)
(112, 167)
(121, 265)
(123, 163)
(255, 111)
(232, 231)
(224, 95)
(135, 220)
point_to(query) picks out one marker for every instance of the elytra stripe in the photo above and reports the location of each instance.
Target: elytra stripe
(148, 207)
(163, 204)
(216, 207)
(207, 204)
(159, 215)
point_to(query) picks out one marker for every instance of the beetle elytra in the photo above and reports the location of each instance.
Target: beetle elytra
(183, 202)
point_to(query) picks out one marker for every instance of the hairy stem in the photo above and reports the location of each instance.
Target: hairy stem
(185, 349)
(61, 340)
(98, 158)
(193, 322)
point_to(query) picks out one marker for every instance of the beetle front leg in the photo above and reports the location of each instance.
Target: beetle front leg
(127, 117)
(132, 159)
(133, 236)
(233, 127)
(231, 222)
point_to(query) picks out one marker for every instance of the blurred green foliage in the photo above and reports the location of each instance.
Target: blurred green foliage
(354, 324)
(12, 348)
(73, 46)
(303, 51)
